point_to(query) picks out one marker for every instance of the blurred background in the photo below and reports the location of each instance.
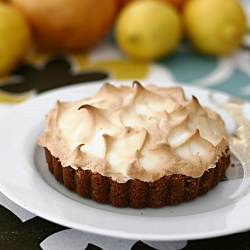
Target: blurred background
(49, 44)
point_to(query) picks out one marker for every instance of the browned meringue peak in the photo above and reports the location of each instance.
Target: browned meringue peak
(136, 133)
(146, 100)
(175, 92)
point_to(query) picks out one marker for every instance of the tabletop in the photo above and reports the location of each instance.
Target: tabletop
(41, 72)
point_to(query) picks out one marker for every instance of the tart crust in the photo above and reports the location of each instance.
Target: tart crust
(168, 190)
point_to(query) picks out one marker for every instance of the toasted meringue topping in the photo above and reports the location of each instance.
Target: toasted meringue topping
(136, 133)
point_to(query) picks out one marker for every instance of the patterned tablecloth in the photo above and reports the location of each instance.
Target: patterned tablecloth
(40, 72)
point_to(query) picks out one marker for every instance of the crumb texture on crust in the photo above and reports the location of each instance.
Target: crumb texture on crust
(168, 190)
(136, 132)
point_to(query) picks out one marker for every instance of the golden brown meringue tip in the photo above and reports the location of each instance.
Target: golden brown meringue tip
(196, 102)
(137, 84)
(87, 106)
(78, 147)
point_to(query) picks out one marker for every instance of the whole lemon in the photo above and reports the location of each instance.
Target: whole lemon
(148, 30)
(68, 24)
(15, 37)
(214, 27)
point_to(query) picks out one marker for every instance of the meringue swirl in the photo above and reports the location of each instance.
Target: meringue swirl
(136, 132)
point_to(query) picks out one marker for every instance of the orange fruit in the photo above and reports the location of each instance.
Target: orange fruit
(68, 24)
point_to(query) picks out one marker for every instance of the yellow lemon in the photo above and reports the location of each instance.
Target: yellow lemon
(148, 30)
(214, 27)
(15, 37)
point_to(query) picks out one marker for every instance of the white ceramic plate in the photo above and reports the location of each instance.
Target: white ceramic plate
(25, 179)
